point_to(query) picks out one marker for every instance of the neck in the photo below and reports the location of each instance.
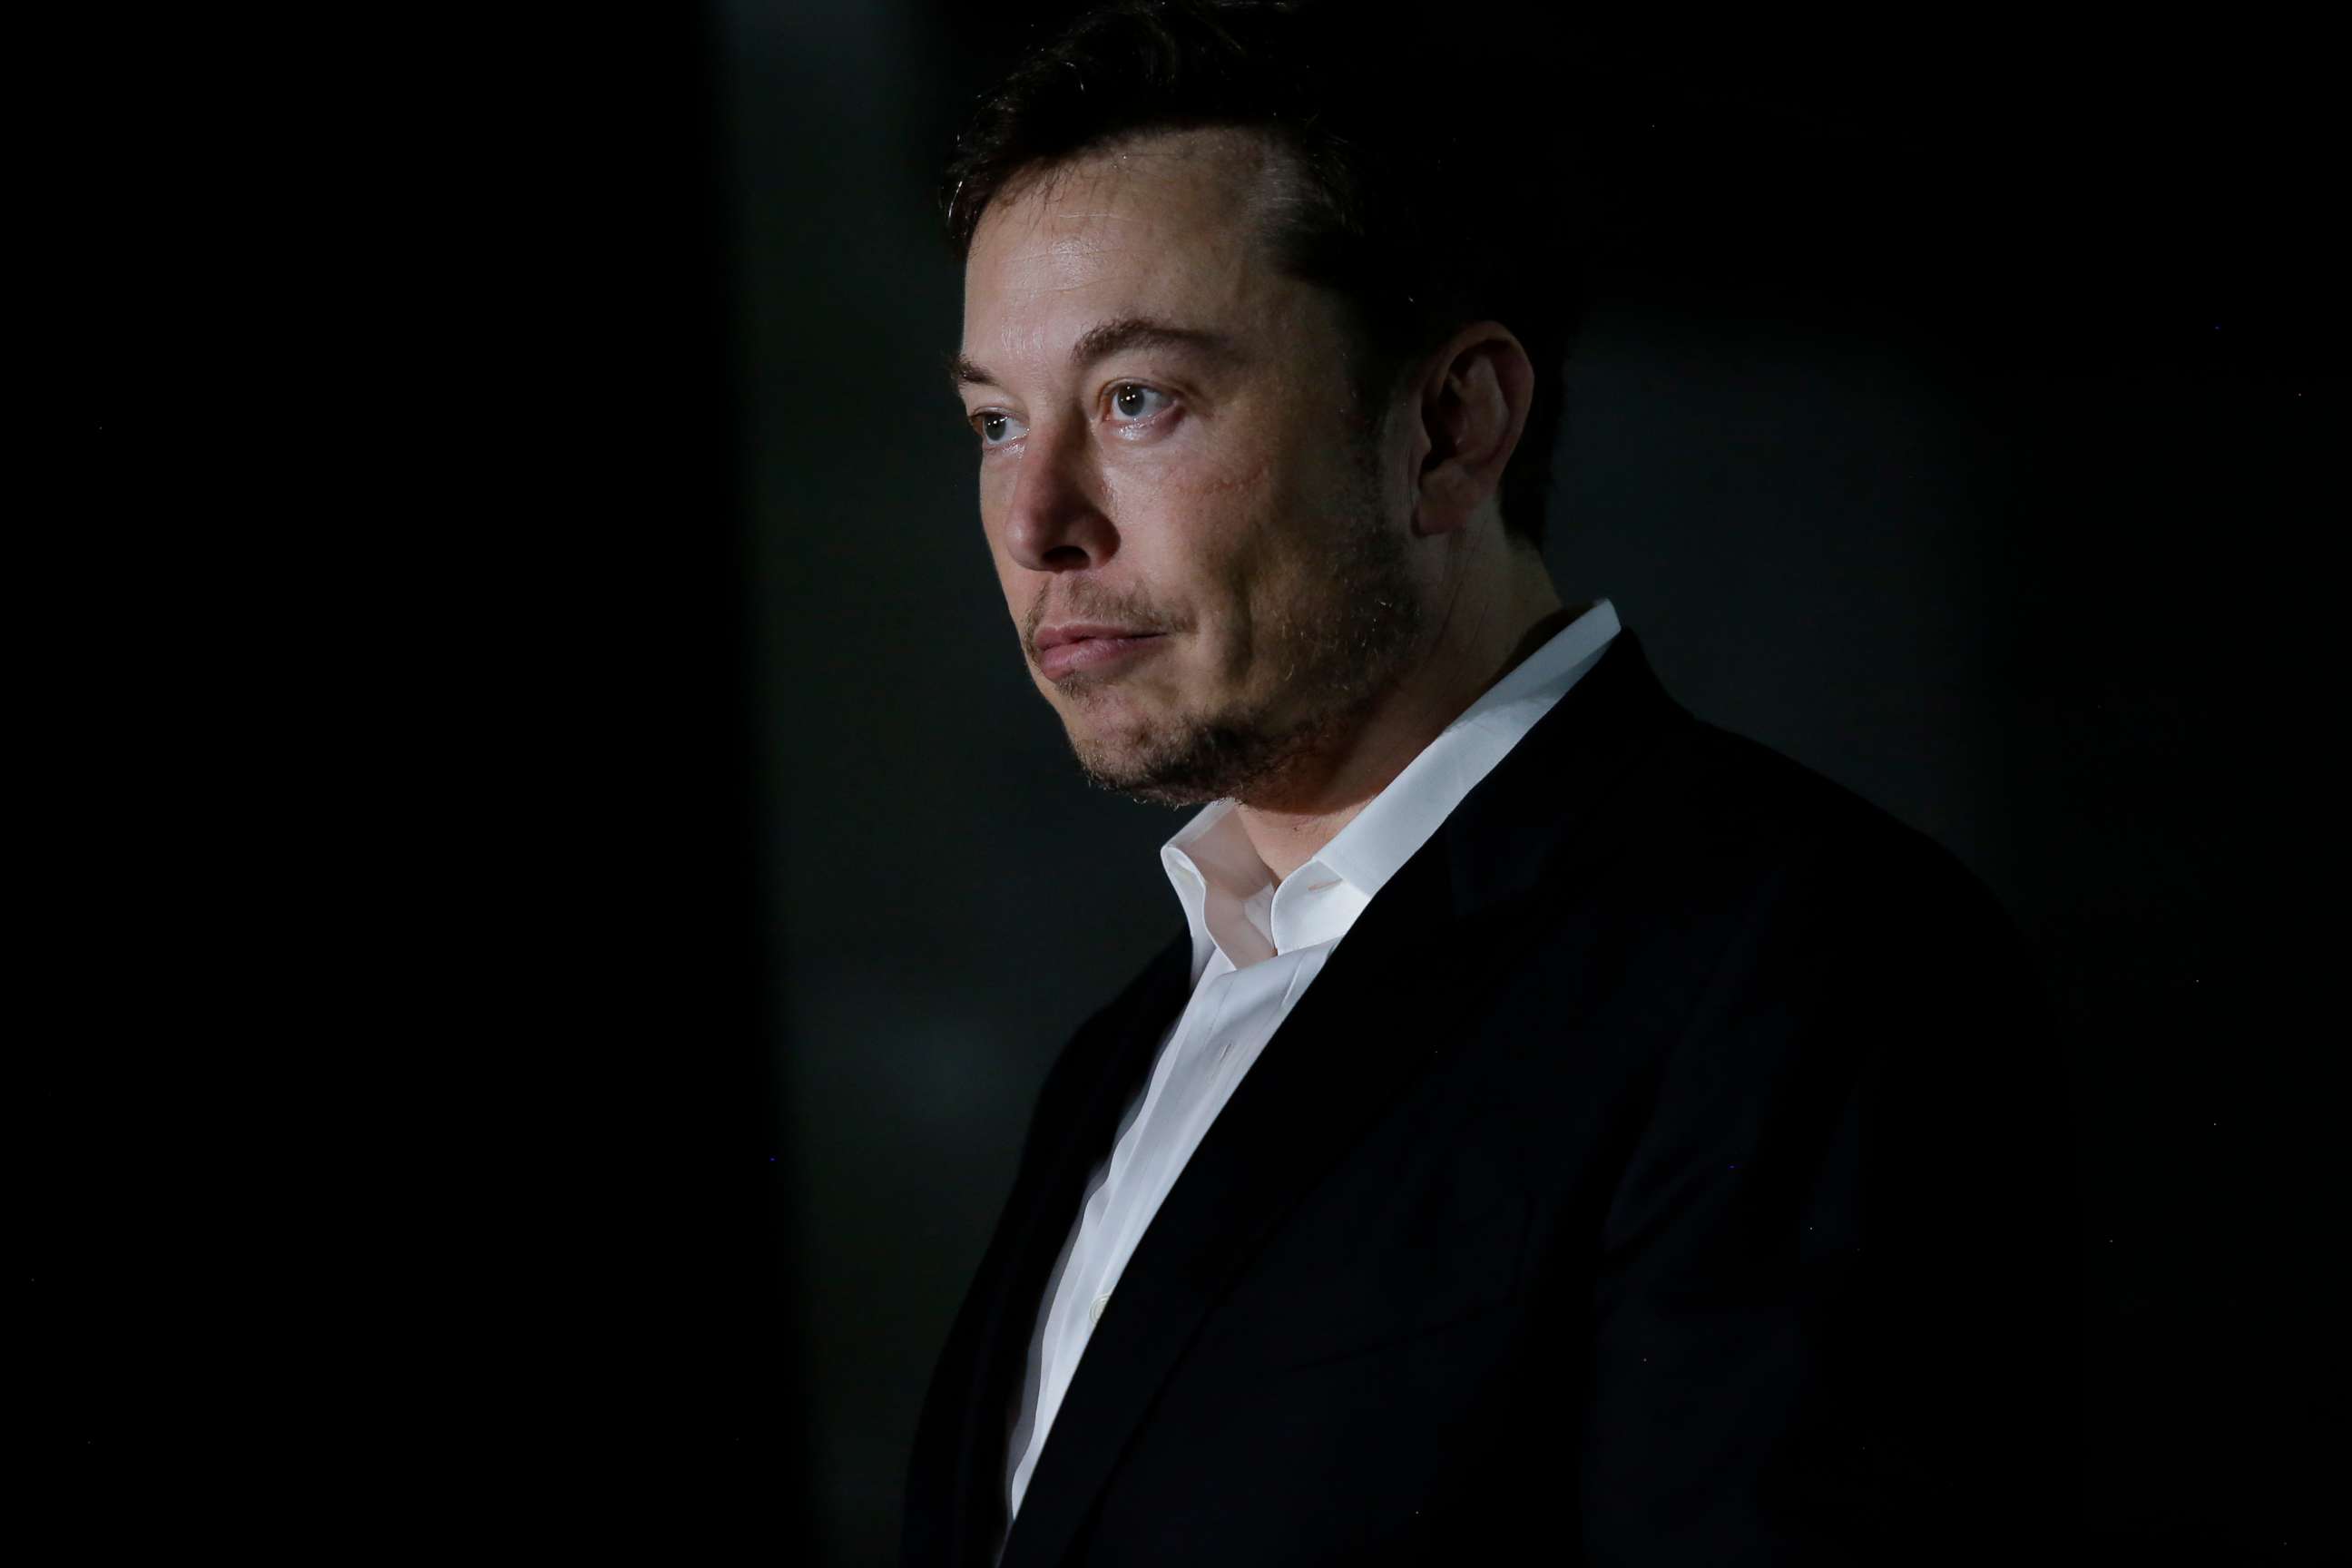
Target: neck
(1480, 639)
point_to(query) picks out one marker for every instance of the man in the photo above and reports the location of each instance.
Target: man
(1563, 1131)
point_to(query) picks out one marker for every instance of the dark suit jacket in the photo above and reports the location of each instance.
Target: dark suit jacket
(1669, 1167)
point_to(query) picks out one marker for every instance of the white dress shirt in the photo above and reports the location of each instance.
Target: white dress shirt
(1256, 947)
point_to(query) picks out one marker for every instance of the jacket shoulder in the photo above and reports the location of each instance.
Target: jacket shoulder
(1721, 832)
(1767, 809)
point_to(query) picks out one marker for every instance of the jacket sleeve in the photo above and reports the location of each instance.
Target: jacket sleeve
(1835, 1318)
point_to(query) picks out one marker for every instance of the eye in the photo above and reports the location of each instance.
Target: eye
(1133, 400)
(996, 427)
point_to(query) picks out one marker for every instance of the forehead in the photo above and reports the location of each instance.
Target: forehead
(1167, 225)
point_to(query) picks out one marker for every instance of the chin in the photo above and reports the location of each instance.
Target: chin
(1179, 762)
(1121, 768)
(1149, 789)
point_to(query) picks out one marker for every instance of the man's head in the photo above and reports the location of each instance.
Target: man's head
(1225, 354)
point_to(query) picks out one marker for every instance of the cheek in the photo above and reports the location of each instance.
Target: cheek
(1014, 582)
(1237, 462)
(1190, 510)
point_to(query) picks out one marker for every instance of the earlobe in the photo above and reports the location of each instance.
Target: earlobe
(1448, 501)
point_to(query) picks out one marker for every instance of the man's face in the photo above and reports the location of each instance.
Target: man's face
(1213, 487)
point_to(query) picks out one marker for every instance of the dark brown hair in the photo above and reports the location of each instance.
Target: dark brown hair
(1433, 191)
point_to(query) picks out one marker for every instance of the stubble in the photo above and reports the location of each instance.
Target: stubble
(1342, 649)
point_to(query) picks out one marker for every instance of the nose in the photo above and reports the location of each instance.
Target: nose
(1054, 521)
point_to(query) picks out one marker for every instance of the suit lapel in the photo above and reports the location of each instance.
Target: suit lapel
(1012, 1280)
(1369, 1025)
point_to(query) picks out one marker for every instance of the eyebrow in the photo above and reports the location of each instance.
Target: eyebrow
(1105, 339)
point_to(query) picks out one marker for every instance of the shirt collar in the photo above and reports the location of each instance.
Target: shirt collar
(1230, 899)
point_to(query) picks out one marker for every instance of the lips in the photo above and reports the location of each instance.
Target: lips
(1064, 649)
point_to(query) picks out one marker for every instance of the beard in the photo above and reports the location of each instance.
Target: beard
(1339, 653)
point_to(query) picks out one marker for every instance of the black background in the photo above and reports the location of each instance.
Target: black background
(551, 891)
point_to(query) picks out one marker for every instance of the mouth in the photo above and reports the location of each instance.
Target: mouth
(1066, 650)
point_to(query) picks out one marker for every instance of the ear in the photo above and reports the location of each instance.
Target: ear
(1473, 406)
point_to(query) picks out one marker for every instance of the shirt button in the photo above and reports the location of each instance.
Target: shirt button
(1094, 1312)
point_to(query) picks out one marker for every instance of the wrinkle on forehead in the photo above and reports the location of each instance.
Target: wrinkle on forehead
(1084, 245)
(1246, 152)
(1083, 190)
(1169, 224)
